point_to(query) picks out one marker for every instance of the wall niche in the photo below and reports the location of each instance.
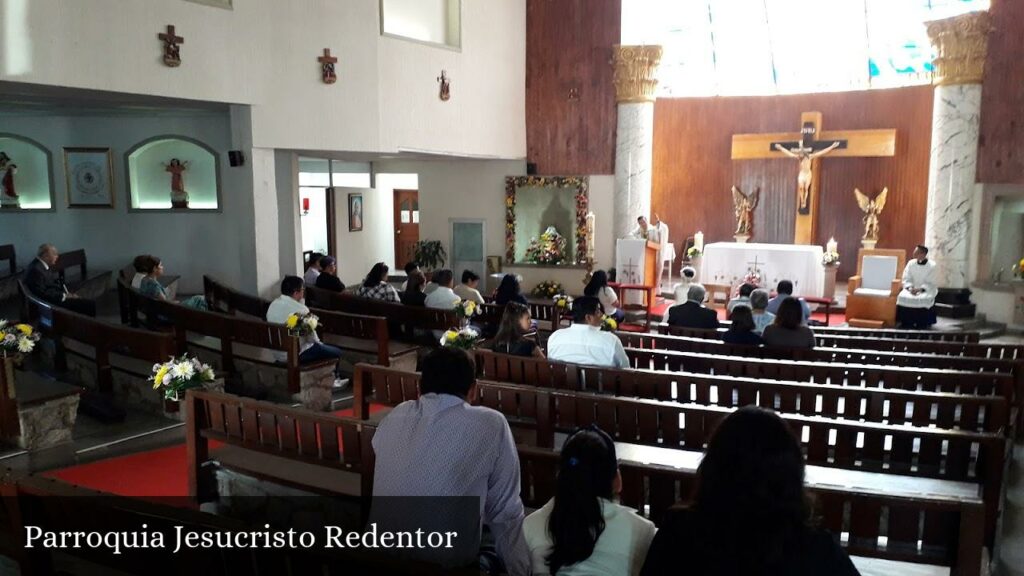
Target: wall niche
(26, 167)
(173, 173)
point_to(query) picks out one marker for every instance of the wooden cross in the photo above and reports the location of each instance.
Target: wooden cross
(172, 52)
(327, 63)
(630, 272)
(754, 264)
(809, 145)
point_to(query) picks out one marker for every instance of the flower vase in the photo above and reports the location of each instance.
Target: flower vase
(830, 282)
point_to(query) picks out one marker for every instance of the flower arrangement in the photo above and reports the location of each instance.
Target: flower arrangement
(465, 338)
(302, 324)
(693, 252)
(548, 249)
(608, 324)
(466, 309)
(1018, 270)
(16, 339)
(830, 259)
(752, 277)
(547, 289)
(180, 374)
(563, 302)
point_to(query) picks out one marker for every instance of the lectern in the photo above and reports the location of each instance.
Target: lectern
(637, 272)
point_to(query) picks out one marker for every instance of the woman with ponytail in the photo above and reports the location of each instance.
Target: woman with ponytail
(582, 530)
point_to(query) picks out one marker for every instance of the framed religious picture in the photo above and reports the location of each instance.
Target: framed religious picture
(355, 212)
(89, 174)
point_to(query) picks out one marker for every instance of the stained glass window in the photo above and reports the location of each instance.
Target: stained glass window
(759, 47)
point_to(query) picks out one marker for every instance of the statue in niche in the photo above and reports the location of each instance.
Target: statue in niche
(871, 209)
(744, 205)
(177, 168)
(8, 195)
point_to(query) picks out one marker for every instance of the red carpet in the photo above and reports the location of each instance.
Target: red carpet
(150, 474)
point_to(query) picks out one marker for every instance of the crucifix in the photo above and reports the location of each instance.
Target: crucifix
(327, 63)
(754, 265)
(808, 147)
(630, 272)
(172, 50)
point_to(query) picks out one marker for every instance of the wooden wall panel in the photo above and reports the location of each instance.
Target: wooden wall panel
(693, 171)
(570, 98)
(1001, 146)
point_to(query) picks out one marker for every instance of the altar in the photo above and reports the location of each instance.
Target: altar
(729, 262)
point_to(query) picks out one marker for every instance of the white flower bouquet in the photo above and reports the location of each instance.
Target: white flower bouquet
(466, 338)
(302, 324)
(16, 339)
(562, 301)
(830, 259)
(466, 309)
(179, 374)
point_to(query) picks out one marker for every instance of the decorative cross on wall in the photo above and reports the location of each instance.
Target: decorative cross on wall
(172, 50)
(327, 63)
(629, 271)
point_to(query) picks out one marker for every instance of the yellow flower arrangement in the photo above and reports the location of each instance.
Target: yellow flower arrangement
(292, 321)
(609, 324)
(24, 329)
(158, 378)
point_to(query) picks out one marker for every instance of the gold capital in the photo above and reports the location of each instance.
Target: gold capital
(961, 43)
(634, 72)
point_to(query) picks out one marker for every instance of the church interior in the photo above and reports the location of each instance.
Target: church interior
(314, 177)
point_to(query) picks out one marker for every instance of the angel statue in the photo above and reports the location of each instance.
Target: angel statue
(745, 205)
(871, 209)
(803, 180)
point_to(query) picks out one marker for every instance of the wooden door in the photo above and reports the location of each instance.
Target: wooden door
(407, 225)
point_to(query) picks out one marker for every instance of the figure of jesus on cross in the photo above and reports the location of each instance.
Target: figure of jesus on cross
(803, 180)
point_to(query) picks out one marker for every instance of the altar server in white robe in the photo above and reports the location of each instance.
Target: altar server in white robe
(915, 303)
(667, 254)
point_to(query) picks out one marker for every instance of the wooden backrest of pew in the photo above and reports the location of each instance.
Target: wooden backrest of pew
(7, 254)
(372, 328)
(952, 531)
(929, 379)
(842, 355)
(943, 410)
(226, 299)
(410, 316)
(72, 259)
(107, 339)
(928, 335)
(332, 441)
(35, 309)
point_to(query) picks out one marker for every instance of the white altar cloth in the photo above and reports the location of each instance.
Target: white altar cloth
(729, 262)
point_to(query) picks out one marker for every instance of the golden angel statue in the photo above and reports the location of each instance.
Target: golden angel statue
(871, 209)
(805, 177)
(745, 205)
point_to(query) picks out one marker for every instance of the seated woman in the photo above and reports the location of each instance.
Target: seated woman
(509, 291)
(742, 329)
(515, 323)
(758, 305)
(582, 530)
(150, 285)
(598, 288)
(788, 330)
(749, 513)
(376, 287)
(413, 294)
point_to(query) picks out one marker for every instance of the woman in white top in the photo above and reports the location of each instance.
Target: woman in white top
(582, 531)
(598, 287)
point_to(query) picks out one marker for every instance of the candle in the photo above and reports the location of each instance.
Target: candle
(832, 245)
(305, 204)
(698, 241)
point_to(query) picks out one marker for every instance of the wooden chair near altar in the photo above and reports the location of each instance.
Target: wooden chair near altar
(872, 293)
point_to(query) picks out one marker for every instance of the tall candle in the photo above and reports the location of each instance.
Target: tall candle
(698, 241)
(832, 245)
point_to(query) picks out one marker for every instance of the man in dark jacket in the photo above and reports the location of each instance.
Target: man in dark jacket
(328, 278)
(43, 281)
(693, 313)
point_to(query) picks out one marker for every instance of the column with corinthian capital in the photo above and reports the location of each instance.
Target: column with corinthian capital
(635, 83)
(961, 43)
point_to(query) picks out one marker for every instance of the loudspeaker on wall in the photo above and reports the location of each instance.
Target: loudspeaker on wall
(236, 158)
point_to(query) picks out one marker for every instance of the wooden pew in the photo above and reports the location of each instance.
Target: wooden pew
(222, 298)
(404, 321)
(930, 335)
(86, 285)
(644, 422)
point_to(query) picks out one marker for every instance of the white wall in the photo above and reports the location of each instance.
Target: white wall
(189, 243)
(359, 251)
(263, 53)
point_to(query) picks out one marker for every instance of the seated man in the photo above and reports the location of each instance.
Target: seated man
(915, 305)
(410, 267)
(43, 281)
(293, 291)
(314, 269)
(443, 297)
(693, 313)
(328, 278)
(467, 290)
(584, 342)
(441, 445)
(743, 299)
(783, 291)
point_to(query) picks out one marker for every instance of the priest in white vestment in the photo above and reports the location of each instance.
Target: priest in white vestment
(915, 303)
(643, 230)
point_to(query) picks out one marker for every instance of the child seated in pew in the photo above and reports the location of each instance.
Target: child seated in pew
(153, 268)
(510, 339)
(749, 513)
(582, 530)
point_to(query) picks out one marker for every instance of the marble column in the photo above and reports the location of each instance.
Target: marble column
(635, 67)
(961, 43)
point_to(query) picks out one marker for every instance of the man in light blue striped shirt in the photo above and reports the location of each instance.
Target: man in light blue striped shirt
(440, 445)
